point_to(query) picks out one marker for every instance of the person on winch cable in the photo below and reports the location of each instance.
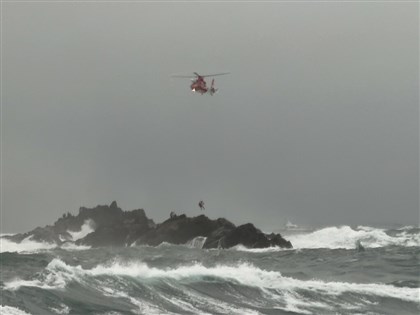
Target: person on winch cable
(201, 205)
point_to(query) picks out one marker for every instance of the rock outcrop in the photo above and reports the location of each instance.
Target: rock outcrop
(111, 226)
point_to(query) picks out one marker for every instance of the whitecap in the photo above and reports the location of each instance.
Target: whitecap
(58, 274)
(197, 242)
(85, 229)
(26, 245)
(73, 247)
(346, 237)
(270, 249)
(10, 310)
(62, 310)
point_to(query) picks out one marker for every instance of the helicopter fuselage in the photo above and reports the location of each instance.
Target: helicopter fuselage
(199, 85)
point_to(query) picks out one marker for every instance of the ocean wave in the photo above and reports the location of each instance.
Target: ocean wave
(58, 274)
(73, 247)
(407, 227)
(197, 242)
(346, 237)
(271, 249)
(61, 310)
(6, 234)
(85, 229)
(187, 301)
(28, 245)
(9, 310)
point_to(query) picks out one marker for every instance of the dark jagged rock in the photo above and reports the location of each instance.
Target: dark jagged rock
(115, 227)
(249, 236)
(112, 227)
(46, 234)
(180, 229)
(278, 240)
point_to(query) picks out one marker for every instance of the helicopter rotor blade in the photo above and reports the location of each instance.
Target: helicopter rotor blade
(183, 76)
(214, 75)
(196, 75)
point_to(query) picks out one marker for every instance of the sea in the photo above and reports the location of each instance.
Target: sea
(331, 270)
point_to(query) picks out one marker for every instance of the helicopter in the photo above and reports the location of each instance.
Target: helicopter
(199, 84)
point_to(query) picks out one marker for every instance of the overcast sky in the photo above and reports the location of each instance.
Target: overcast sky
(318, 122)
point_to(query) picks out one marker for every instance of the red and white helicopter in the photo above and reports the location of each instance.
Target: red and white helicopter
(199, 85)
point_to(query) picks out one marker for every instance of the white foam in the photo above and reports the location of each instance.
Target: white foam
(165, 244)
(197, 242)
(192, 300)
(10, 310)
(243, 248)
(58, 274)
(64, 309)
(297, 303)
(73, 247)
(26, 245)
(368, 228)
(143, 307)
(6, 234)
(346, 237)
(85, 229)
(50, 283)
(408, 227)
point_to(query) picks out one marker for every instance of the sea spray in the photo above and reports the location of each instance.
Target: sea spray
(197, 242)
(176, 279)
(10, 310)
(346, 237)
(85, 229)
(58, 274)
(27, 245)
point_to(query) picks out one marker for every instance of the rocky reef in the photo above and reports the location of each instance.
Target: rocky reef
(111, 226)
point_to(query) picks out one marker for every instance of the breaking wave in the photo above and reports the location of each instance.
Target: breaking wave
(243, 248)
(9, 310)
(197, 242)
(28, 245)
(85, 229)
(174, 279)
(346, 237)
(58, 275)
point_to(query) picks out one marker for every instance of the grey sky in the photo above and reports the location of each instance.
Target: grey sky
(317, 123)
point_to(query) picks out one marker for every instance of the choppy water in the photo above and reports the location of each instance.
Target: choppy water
(323, 274)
